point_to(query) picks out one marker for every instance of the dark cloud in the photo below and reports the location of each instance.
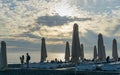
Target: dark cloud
(21, 45)
(48, 0)
(90, 38)
(30, 35)
(116, 29)
(57, 20)
(22, 0)
(99, 6)
(36, 28)
(26, 34)
(93, 40)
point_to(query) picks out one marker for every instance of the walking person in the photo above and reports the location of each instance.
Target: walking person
(27, 59)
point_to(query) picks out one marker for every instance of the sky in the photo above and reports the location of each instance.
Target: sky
(24, 22)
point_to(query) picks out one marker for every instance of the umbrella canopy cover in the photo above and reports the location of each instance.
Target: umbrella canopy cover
(114, 50)
(82, 52)
(67, 52)
(101, 48)
(3, 56)
(75, 45)
(95, 53)
(43, 50)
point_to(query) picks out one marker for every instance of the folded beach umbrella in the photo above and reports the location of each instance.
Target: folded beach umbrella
(95, 53)
(82, 52)
(43, 50)
(3, 56)
(114, 50)
(75, 45)
(67, 52)
(101, 48)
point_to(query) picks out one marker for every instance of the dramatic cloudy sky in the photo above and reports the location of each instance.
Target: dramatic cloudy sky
(24, 22)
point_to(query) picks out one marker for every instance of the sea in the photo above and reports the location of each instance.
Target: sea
(13, 57)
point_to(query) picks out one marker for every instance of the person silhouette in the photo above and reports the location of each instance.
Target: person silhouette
(22, 60)
(27, 59)
(108, 59)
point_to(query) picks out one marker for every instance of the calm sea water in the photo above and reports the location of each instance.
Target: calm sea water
(14, 56)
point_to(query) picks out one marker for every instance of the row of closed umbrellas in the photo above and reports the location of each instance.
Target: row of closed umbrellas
(77, 51)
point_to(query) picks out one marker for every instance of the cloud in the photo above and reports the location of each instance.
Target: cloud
(54, 42)
(22, 0)
(30, 35)
(21, 45)
(57, 20)
(24, 22)
(56, 31)
(98, 6)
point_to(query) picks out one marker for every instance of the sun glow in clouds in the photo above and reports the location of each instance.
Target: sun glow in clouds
(18, 25)
(63, 9)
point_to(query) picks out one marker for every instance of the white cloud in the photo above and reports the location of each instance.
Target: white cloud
(54, 42)
(56, 31)
(19, 17)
